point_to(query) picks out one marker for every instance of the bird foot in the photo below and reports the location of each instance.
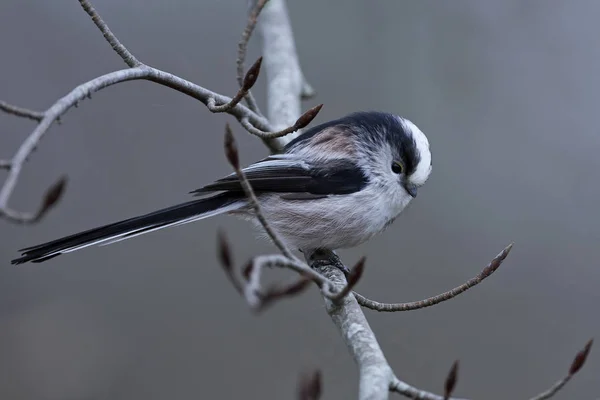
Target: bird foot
(321, 258)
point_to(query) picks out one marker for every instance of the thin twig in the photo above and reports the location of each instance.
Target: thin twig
(300, 123)
(255, 123)
(415, 305)
(412, 392)
(249, 81)
(576, 365)
(51, 197)
(233, 157)
(242, 50)
(251, 288)
(84, 91)
(110, 37)
(554, 389)
(21, 112)
(226, 259)
(283, 72)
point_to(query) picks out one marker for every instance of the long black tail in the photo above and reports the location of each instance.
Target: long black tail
(175, 215)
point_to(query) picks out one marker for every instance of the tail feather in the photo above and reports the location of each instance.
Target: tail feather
(176, 215)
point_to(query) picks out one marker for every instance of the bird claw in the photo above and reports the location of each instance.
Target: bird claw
(335, 263)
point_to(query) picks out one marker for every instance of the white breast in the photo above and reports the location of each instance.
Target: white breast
(334, 222)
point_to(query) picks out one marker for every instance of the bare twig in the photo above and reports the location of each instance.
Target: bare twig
(252, 121)
(576, 365)
(415, 305)
(21, 112)
(225, 257)
(280, 261)
(248, 82)
(117, 46)
(255, 11)
(51, 198)
(300, 123)
(251, 287)
(258, 298)
(83, 91)
(329, 289)
(414, 393)
(277, 292)
(285, 82)
(233, 157)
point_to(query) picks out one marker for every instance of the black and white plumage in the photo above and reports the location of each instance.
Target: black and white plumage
(335, 186)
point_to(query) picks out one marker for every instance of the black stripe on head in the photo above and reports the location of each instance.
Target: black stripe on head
(374, 128)
(379, 128)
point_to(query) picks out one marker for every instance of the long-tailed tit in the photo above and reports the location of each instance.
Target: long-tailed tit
(335, 186)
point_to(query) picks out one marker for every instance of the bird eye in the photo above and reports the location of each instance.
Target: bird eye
(397, 168)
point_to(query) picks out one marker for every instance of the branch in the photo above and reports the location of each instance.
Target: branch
(119, 48)
(300, 123)
(21, 112)
(247, 83)
(414, 393)
(576, 365)
(415, 305)
(233, 158)
(255, 123)
(255, 11)
(286, 83)
(375, 374)
(85, 90)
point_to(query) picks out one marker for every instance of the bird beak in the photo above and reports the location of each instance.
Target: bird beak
(411, 189)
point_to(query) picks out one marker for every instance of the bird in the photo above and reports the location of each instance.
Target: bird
(334, 186)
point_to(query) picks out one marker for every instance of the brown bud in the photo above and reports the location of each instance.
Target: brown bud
(356, 272)
(252, 75)
(307, 117)
(276, 292)
(451, 380)
(297, 287)
(224, 251)
(497, 261)
(53, 195)
(247, 270)
(580, 358)
(231, 148)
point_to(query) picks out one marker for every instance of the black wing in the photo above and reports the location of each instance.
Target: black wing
(288, 174)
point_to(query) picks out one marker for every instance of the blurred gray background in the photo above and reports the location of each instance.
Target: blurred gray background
(507, 92)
